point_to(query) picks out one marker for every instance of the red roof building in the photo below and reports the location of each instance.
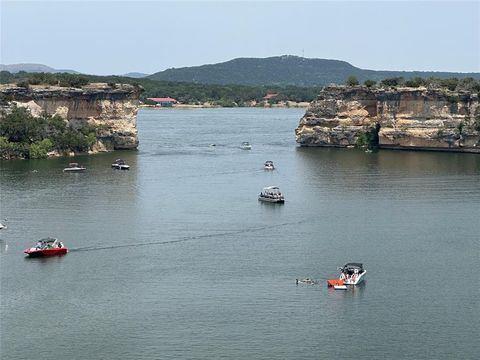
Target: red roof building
(164, 100)
(269, 96)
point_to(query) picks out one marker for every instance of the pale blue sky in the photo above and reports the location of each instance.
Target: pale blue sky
(115, 37)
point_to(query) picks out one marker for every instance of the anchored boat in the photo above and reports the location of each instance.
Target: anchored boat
(268, 165)
(246, 146)
(352, 273)
(74, 167)
(120, 164)
(271, 194)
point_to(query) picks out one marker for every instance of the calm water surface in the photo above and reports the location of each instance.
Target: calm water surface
(176, 258)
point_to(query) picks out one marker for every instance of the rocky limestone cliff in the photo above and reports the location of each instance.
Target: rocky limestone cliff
(403, 118)
(114, 107)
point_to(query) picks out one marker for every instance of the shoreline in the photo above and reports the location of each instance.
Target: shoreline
(291, 104)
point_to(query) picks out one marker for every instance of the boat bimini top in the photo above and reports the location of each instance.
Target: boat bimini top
(351, 267)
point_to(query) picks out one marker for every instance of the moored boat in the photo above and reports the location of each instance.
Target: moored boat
(352, 273)
(246, 146)
(47, 247)
(120, 164)
(268, 165)
(271, 194)
(74, 167)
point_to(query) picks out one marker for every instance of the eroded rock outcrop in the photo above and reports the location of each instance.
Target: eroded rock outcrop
(112, 107)
(403, 118)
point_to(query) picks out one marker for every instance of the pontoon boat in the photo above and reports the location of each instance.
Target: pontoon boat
(271, 194)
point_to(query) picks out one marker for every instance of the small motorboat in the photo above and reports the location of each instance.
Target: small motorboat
(352, 273)
(120, 164)
(47, 247)
(246, 146)
(3, 226)
(271, 194)
(74, 167)
(268, 165)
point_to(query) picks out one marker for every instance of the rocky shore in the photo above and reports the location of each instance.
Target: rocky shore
(112, 107)
(402, 118)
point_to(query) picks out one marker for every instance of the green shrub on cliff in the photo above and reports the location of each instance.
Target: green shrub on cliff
(368, 139)
(369, 83)
(20, 126)
(25, 136)
(416, 82)
(392, 82)
(476, 123)
(40, 149)
(12, 150)
(352, 81)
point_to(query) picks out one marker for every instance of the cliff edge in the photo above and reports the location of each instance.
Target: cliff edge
(111, 107)
(402, 118)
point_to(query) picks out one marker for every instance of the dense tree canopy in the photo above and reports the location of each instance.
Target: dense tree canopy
(25, 136)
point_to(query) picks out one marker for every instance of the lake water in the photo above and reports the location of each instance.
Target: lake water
(176, 258)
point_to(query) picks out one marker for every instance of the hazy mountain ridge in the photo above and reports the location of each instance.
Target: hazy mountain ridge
(135, 75)
(287, 70)
(15, 68)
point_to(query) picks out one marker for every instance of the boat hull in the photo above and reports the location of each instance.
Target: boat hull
(74, 170)
(34, 252)
(270, 200)
(358, 280)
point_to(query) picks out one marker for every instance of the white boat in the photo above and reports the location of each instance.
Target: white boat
(74, 167)
(120, 164)
(246, 146)
(268, 165)
(352, 273)
(271, 194)
(3, 226)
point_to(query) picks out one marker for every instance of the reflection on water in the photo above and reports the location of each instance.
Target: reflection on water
(3, 246)
(356, 291)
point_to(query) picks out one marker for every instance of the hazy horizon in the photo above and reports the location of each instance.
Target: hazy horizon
(118, 37)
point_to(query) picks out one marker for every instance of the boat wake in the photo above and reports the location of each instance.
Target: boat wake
(186, 238)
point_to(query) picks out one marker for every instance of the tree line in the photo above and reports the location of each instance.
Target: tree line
(184, 92)
(452, 84)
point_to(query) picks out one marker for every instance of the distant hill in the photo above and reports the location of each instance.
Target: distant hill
(287, 70)
(135, 75)
(15, 68)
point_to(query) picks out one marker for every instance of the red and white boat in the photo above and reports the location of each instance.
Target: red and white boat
(47, 247)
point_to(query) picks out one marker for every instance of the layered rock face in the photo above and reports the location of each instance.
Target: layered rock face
(404, 118)
(113, 107)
